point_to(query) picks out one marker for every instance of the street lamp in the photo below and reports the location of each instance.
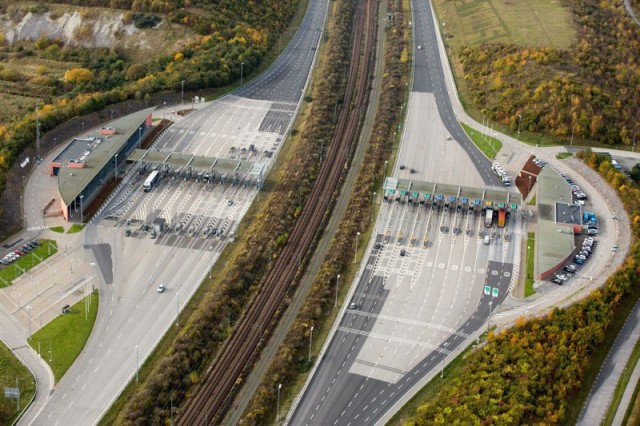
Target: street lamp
(373, 203)
(139, 137)
(177, 308)
(116, 160)
(81, 210)
(83, 127)
(29, 311)
(241, 72)
(355, 255)
(385, 169)
(519, 121)
(489, 316)
(335, 305)
(137, 366)
(310, 342)
(164, 110)
(278, 404)
(182, 93)
(529, 185)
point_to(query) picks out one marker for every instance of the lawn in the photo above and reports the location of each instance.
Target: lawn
(61, 341)
(528, 281)
(13, 374)
(58, 229)
(563, 155)
(46, 249)
(533, 200)
(536, 23)
(489, 146)
(76, 227)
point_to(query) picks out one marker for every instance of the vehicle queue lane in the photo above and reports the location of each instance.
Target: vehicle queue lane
(432, 300)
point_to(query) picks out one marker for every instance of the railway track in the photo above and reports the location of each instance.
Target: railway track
(218, 388)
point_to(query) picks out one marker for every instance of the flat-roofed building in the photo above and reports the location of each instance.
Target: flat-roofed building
(89, 162)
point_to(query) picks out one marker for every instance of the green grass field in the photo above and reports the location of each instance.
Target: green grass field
(76, 227)
(13, 371)
(535, 23)
(58, 229)
(489, 146)
(61, 341)
(46, 249)
(528, 279)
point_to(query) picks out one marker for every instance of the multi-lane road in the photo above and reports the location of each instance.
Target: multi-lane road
(133, 316)
(421, 291)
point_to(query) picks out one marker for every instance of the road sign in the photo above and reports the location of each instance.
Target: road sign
(495, 292)
(12, 393)
(487, 289)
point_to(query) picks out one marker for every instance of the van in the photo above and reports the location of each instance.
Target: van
(487, 239)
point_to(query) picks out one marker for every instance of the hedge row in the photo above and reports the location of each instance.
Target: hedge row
(291, 359)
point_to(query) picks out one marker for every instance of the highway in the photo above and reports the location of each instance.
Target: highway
(424, 291)
(133, 316)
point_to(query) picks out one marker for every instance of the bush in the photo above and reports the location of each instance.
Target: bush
(142, 21)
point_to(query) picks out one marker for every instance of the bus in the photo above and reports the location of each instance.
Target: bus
(152, 179)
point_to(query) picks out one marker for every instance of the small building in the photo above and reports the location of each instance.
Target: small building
(87, 164)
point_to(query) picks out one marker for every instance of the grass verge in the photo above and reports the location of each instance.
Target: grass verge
(489, 146)
(76, 227)
(46, 249)
(531, 249)
(58, 229)
(533, 200)
(621, 386)
(563, 155)
(61, 341)
(14, 374)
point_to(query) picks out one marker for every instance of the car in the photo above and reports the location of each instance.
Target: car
(562, 277)
(419, 47)
(555, 280)
(36, 242)
(402, 167)
(584, 253)
(592, 232)
(449, 137)
(581, 196)
(161, 288)
(230, 202)
(25, 248)
(580, 257)
(570, 268)
(614, 248)
(19, 252)
(578, 261)
(579, 202)
(403, 252)
(412, 171)
(377, 246)
(586, 248)
(353, 305)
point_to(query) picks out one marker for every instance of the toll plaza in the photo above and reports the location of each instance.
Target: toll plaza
(199, 168)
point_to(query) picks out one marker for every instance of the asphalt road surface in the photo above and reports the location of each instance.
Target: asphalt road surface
(423, 291)
(133, 316)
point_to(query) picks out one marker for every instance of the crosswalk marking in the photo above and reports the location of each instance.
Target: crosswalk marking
(36, 228)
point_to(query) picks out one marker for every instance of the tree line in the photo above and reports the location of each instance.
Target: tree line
(531, 373)
(590, 91)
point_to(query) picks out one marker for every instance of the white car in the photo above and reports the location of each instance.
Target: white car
(160, 288)
(419, 47)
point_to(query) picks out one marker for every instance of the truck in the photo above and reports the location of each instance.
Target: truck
(502, 215)
(151, 181)
(488, 218)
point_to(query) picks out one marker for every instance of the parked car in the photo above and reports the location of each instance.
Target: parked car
(19, 252)
(578, 261)
(570, 268)
(556, 280)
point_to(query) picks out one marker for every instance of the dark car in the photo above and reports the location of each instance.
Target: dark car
(557, 280)
(570, 268)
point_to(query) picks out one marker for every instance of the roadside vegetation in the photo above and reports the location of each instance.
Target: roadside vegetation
(541, 370)
(61, 341)
(621, 387)
(568, 74)
(58, 229)
(563, 155)
(290, 366)
(531, 254)
(76, 227)
(489, 145)
(14, 374)
(46, 249)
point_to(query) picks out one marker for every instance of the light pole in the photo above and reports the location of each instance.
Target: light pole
(442, 370)
(137, 367)
(633, 148)
(139, 137)
(519, 122)
(177, 308)
(335, 305)
(116, 160)
(182, 93)
(83, 127)
(355, 255)
(572, 130)
(385, 169)
(29, 312)
(278, 403)
(529, 185)
(373, 203)
(241, 72)
(81, 210)
(489, 316)
(310, 342)
(164, 110)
